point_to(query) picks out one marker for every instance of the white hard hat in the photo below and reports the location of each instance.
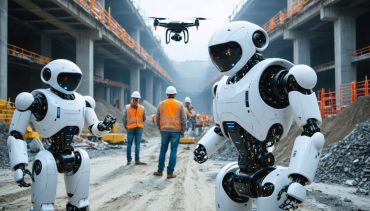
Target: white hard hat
(63, 75)
(187, 100)
(135, 94)
(171, 90)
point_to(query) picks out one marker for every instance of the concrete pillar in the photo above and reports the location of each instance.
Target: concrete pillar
(99, 66)
(107, 94)
(136, 35)
(344, 44)
(85, 60)
(149, 88)
(45, 45)
(135, 79)
(301, 51)
(301, 46)
(158, 93)
(122, 98)
(3, 49)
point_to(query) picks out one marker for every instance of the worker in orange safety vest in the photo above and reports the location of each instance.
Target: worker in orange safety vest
(171, 121)
(133, 119)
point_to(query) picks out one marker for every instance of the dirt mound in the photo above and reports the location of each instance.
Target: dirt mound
(334, 129)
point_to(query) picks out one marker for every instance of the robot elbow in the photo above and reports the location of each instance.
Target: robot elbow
(304, 75)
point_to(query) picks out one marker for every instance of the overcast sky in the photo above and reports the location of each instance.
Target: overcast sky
(197, 48)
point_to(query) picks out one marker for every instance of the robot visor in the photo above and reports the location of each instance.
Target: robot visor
(69, 81)
(226, 55)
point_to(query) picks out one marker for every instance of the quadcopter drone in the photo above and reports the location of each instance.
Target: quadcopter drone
(174, 28)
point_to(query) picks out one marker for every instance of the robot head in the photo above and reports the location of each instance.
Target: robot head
(62, 75)
(231, 46)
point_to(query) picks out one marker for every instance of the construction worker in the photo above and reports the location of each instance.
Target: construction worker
(134, 118)
(190, 114)
(171, 120)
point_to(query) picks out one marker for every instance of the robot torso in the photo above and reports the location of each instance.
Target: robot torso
(247, 104)
(59, 114)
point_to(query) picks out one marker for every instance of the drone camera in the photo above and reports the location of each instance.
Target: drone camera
(176, 37)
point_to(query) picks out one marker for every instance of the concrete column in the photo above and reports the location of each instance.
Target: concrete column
(301, 46)
(85, 60)
(107, 94)
(136, 35)
(99, 66)
(158, 93)
(3, 49)
(344, 44)
(135, 79)
(45, 45)
(122, 98)
(301, 51)
(149, 88)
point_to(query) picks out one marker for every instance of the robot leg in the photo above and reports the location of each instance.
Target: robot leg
(279, 179)
(77, 183)
(44, 173)
(227, 199)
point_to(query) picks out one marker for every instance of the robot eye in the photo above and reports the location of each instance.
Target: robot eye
(46, 74)
(259, 39)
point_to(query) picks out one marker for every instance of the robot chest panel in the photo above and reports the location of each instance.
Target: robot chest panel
(61, 113)
(242, 103)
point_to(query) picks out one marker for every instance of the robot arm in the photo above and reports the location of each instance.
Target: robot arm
(17, 148)
(307, 147)
(209, 144)
(97, 127)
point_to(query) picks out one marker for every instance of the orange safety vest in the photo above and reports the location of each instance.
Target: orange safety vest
(170, 114)
(134, 117)
(187, 112)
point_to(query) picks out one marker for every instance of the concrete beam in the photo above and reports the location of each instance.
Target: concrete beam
(99, 66)
(301, 46)
(135, 79)
(3, 49)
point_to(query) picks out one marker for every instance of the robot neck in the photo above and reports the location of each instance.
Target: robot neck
(255, 59)
(62, 95)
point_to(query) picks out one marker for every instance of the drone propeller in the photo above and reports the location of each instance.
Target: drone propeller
(158, 18)
(200, 18)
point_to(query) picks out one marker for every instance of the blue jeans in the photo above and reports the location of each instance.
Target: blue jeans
(173, 138)
(131, 134)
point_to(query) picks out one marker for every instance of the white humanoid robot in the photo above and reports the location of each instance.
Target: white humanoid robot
(254, 106)
(57, 113)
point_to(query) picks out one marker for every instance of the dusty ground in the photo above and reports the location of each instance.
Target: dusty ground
(115, 186)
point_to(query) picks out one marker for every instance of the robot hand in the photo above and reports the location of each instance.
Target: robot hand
(295, 193)
(107, 124)
(20, 172)
(200, 154)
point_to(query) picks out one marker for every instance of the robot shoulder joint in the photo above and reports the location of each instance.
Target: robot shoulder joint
(23, 101)
(90, 102)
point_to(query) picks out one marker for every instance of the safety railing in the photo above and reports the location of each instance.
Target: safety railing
(361, 51)
(6, 111)
(278, 20)
(110, 82)
(348, 94)
(97, 10)
(27, 54)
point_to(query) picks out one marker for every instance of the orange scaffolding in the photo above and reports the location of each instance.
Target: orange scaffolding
(110, 82)
(105, 17)
(348, 94)
(361, 51)
(26, 54)
(6, 111)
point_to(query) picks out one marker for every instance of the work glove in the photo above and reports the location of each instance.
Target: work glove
(107, 124)
(200, 154)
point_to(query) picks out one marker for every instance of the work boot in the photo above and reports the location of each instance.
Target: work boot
(128, 162)
(171, 175)
(158, 174)
(139, 163)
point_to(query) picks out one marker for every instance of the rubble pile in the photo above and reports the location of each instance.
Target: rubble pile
(4, 160)
(227, 152)
(347, 161)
